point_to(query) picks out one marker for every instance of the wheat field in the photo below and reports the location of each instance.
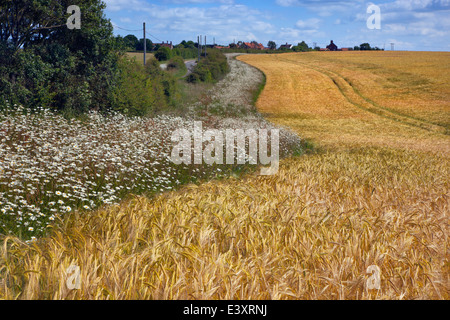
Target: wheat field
(374, 194)
(386, 99)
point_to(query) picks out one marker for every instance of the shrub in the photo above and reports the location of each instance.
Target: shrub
(133, 95)
(176, 62)
(163, 54)
(142, 90)
(210, 69)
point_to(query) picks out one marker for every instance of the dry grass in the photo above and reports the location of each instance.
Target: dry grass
(378, 196)
(139, 56)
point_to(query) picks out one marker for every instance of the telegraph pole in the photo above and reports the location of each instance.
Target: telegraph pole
(392, 46)
(145, 47)
(198, 48)
(205, 46)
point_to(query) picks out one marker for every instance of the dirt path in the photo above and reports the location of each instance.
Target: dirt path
(190, 65)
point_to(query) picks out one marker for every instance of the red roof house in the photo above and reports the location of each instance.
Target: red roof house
(253, 45)
(163, 44)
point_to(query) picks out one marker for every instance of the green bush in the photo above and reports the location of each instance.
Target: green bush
(133, 94)
(143, 90)
(176, 62)
(163, 54)
(210, 69)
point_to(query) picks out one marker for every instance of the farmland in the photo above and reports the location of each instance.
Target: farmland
(374, 192)
(359, 99)
(139, 56)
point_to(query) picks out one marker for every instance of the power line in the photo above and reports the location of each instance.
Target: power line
(136, 30)
(153, 36)
(126, 29)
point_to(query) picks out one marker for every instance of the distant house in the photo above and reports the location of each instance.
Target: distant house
(163, 44)
(221, 47)
(253, 45)
(286, 46)
(332, 46)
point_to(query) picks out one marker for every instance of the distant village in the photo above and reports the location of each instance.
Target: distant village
(287, 46)
(284, 47)
(133, 43)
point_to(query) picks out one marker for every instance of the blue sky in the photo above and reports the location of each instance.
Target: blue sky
(410, 24)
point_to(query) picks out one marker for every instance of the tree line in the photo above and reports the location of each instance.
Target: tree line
(43, 63)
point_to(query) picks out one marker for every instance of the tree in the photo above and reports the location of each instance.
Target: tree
(45, 62)
(131, 41)
(22, 22)
(140, 45)
(272, 45)
(301, 47)
(365, 46)
(190, 44)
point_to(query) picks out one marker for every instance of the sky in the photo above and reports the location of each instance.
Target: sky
(410, 24)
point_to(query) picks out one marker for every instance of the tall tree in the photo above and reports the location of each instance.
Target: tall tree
(365, 46)
(56, 65)
(302, 46)
(272, 45)
(140, 45)
(131, 41)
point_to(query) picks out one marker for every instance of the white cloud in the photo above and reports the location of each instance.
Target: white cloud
(309, 24)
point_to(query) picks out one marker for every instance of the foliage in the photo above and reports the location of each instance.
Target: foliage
(187, 44)
(210, 69)
(176, 62)
(163, 54)
(45, 63)
(365, 46)
(301, 47)
(140, 45)
(143, 91)
(135, 92)
(271, 45)
(131, 41)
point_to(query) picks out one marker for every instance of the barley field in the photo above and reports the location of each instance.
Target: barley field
(374, 193)
(385, 99)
